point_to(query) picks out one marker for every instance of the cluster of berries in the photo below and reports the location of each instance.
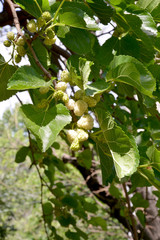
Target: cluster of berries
(79, 105)
(43, 26)
(40, 27)
(19, 43)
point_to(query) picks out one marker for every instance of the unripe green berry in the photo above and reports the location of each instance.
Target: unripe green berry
(21, 51)
(7, 43)
(10, 36)
(75, 146)
(65, 98)
(59, 94)
(31, 26)
(82, 135)
(65, 76)
(80, 107)
(85, 122)
(20, 42)
(91, 101)
(17, 58)
(48, 41)
(71, 135)
(61, 86)
(50, 33)
(44, 90)
(79, 94)
(70, 104)
(41, 22)
(46, 15)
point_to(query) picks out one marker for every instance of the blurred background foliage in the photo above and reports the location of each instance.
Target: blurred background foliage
(21, 215)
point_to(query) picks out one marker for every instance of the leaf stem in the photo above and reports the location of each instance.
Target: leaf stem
(38, 6)
(55, 16)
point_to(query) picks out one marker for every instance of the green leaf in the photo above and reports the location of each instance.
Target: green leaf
(27, 78)
(42, 55)
(97, 87)
(72, 235)
(45, 125)
(85, 158)
(149, 5)
(102, 10)
(132, 24)
(78, 40)
(85, 70)
(122, 148)
(148, 174)
(78, 19)
(115, 192)
(70, 201)
(107, 165)
(22, 154)
(139, 201)
(141, 216)
(129, 70)
(31, 6)
(104, 55)
(98, 221)
(48, 212)
(6, 72)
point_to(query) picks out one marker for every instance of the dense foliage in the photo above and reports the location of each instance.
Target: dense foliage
(100, 100)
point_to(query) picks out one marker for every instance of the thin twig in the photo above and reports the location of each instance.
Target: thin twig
(40, 177)
(134, 233)
(17, 25)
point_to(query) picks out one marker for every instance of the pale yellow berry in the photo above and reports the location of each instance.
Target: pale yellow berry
(44, 90)
(86, 122)
(48, 41)
(10, 36)
(46, 16)
(70, 104)
(59, 94)
(65, 98)
(91, 101)
(79, 94)
(71, 135)
(20, 42)
(40, 22)
(75, 146)
(80, 107)
(61, 86)
(65, 76)
(31, 26)
(82, 135)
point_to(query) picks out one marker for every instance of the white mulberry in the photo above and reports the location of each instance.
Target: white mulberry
(70, 104)
(10, 36)
(61, 86)
(91, 101)
(80, 107)
(79, 94)
(65, 76)
(71, 135)
(85, 122)
(75, 146)
(82, 135)
(31, 26)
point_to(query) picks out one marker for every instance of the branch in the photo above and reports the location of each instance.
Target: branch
(134, 233)
(98, 190)
(60, 51)
(17, 25)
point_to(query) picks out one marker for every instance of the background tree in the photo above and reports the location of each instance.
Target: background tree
(113, 115)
